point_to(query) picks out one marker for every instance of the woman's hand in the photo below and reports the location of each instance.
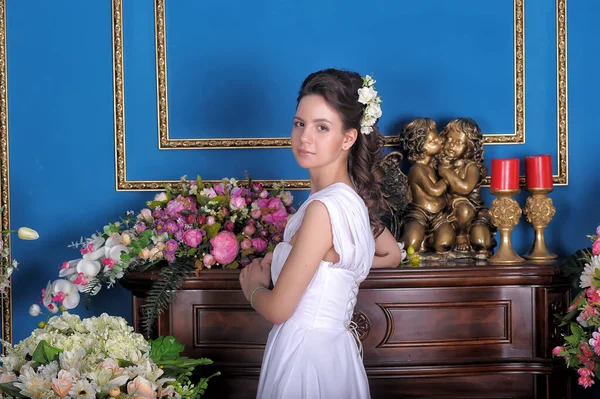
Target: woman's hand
(256, 273)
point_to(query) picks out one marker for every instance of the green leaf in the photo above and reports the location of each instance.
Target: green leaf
(125, 363)
(165, 348)
(44, 353)
(571, 339)
(11, 391)
(193, 251)
(213, 230)
(576, 330)
(233, 265)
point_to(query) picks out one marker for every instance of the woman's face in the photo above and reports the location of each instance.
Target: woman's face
(318, 136)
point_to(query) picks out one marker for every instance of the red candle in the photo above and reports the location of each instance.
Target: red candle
(505, 174)
(538, 171)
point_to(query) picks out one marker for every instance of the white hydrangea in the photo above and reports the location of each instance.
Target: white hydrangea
(89, 361)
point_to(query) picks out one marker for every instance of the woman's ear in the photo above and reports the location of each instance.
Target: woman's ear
(350, 136)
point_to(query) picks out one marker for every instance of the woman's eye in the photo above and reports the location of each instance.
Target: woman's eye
(323, 128)
(298, 124)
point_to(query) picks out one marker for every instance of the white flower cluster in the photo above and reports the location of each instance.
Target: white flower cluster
(89, 363)
(367, 95)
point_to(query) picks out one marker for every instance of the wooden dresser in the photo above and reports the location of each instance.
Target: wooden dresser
(440, 331)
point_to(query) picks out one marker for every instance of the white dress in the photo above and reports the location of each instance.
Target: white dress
(315, 354)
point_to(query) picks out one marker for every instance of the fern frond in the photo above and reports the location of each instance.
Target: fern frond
(163, 291)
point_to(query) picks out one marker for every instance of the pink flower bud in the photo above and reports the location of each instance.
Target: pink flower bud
(263, 194)
(229, 225)
(246, 244)
(249, 230)
(210, 220)
(256, 214)
(208, 260)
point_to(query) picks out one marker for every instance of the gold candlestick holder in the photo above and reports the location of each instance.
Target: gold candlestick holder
(539, 211)
(505, 213)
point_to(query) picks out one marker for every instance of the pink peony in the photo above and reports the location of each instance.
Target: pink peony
(273, 210)
(192, 237)
(260, 244)
(596, 247)
(225, 247)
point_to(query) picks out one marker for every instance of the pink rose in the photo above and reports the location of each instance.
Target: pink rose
(146, 215)
(192, 237)
(62, 384)
(141, 388)
(225, 247)
(246, 244)
(229, 226)
(596, 247)
(263, 194)
(237, 202)
(260, 244)
(210, 220)
(201, 220)
(210, 193)
(208, 260)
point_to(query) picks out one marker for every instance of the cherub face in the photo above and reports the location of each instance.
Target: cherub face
(433, 142)
(456, 144)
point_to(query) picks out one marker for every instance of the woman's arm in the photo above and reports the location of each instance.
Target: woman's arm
(386, 244)
(312, 242)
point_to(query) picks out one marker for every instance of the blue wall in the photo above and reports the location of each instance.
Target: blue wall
(235, 73)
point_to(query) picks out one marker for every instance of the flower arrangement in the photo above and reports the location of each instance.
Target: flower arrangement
(581, 350)
(97, 357)
(188, 228)
(8, 266)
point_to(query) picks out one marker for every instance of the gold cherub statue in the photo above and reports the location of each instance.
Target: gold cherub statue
(426, 224)
(437, 209)
(461, 166)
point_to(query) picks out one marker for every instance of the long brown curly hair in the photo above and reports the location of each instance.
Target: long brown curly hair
(340, 89)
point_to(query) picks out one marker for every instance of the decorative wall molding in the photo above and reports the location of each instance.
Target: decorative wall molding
(165, 142)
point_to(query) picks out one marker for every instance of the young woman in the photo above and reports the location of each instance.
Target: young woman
(329, 245)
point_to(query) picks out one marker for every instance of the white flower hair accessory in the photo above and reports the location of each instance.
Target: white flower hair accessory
(367, 95)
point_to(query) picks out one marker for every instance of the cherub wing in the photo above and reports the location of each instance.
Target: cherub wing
(395, 190)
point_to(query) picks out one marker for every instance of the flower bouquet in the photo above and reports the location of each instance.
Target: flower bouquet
(97, 357)
(581, 350)
(186, 229)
